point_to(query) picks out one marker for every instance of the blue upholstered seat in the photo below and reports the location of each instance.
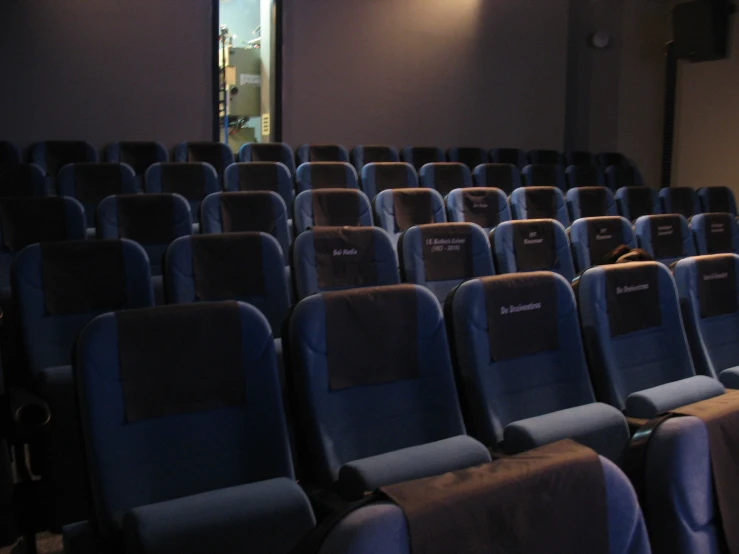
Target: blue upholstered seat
(52, 155)
(444, 177)
(331, 208)
(377, 177)
(666, 238)
(21, 180)
(546, 157)
(633, 202)
(513, 156)
(544, 175)
(484, 206)
(321, 153)
(715, 233)
(191, 180)
(590, 202)
(618, 176)
(539, 203)
(717, 199)
(580, 157)
(268, 152)
(367, 154)
(418, 156)
(217, 154)
(592, 238)
(398, 210)
(325, 175)
(274, 176)
(679, 200)
(10, 154)
(505, 177)
(139, 155)
(584, 176)
(608, 159)
(469, 156)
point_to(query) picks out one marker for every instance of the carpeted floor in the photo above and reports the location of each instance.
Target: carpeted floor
(47, 544)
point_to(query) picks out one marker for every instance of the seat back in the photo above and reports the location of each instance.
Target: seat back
(276, 152)
(445, 177)
(715, 234)
(253, 211)
(608, 159)
(717, 199)
(440, 256)
(21, 179)
(191, 180)
(363, 155)
(505, 177)
(161, 387)
(584, 176)
(140, 156)
(331, 208)
(518, 349)
(666, 238)
(679, 200)
(594, 237)
(52, 155)
(580, 158)
(90, 183)
(377, 177)
(632, 329)
(380, 351)
(152, 220)
(327, 259)
(326, 175)
(471, 157)
(418, 156)
(217, 154)
(533, 245)
(513, 156)
(321, 153)
(274, 176)
(546, 157)
(60, 287)
(487, 207)
(248, 267)
(539, 203)
(618, 176)
(398, 210)
(544, 175)
(634, 202)
(9, 153)
(590, 202)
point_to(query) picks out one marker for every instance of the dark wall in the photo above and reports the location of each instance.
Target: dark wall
(105, 70)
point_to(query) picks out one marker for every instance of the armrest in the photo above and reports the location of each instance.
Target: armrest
(28, 413)
(368, 474)
(650, 403)
(268, 516)
(598, 426)
(730, 378)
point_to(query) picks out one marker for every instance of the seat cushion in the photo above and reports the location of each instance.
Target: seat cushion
(730, 378)
(649, 403)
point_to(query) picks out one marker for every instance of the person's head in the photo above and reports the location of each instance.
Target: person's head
(635, 255)
(613, 256)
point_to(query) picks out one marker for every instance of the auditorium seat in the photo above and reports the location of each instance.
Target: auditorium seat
(248, 267)
(326, 259)
(580, 157)
(608, 159)
(418, 156)
(544, 175)
(634, 202)
(717, 199)
(539, 203)
(520, 356)
(666, 238)
(59, 288)
(193, 181)
(546, 157)
(715, 234)
(321, 153)
(152, 220)
(590, 202)
(253, 211)
(377, 177)
(140, 156)
(445, 177)
(185, 433)
(440, 256)
(505, 177)
(532, 245)
(367, 154)
(471, 157)
(398, 210)
(639, 357)
(325, 175)
(217, 154)
(51, 156)
(513, 156)
(9, 153)
(90, 183)
(331, 208)
(487, 207)
(276, 152)
(274, 176)
(679, 200)
(618, 176)
(21, 180)
(376, 407)
(594, 237)
(584, 176)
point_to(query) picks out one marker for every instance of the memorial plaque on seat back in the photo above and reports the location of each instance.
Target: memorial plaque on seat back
(227, 266)
(258, 176)
(448, 177)
(718, 233)
(27, 221)
(541, 203)
(681, 199)
(345, 257)
(718, 199)
(61, 153)
(181, 359)
(447, 251)
(267, 153)
(534, 246)
(371, 336)
(252, 211)
(593, 202)
(632, 297)
(717, 293)
(328, 176)
(604, 234)
(412, 207)
(336, 208)
(208, 152)
(325, 153)
(94, 182)
(640, 202)
(81, 276)
(378, 154)
(185, 179)
(522, 315)
(146, 218)
(16, 180)
(667, 236)
(391, 176)
(139, 155)
(500, 176)
(480, 206)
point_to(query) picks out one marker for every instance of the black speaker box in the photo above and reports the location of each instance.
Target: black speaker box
(700, 29)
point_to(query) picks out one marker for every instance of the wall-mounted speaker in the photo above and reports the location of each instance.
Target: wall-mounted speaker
(700, 29)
